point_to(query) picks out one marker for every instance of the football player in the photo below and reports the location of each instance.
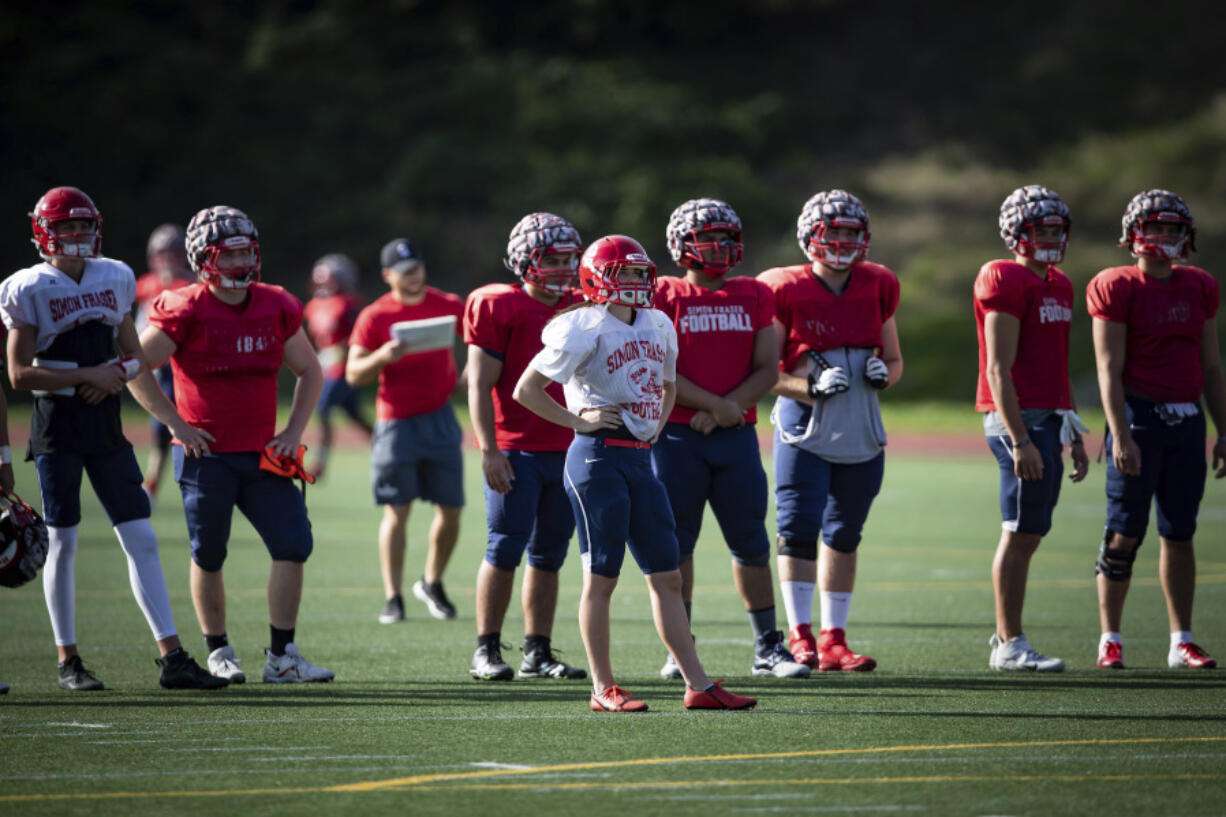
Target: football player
(168, 269)
(1156, 347)
(415, 453)
(727, 360)
(227, 338)
(72, 343)
(1023, 311)
(330, 315)
(839, 346)
(522, 455)
(616, 358)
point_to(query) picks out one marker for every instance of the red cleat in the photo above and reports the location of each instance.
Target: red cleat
(716, 698)
(616, 699)
(1187, 654)
(835, 656)
(802, 645)
(1111, 655)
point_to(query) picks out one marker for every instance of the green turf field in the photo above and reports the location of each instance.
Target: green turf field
(403, 730)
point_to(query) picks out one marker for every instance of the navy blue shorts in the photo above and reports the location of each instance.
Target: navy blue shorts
(337, 393)
(418, 458)
(725, 468)
(617, 501)
(115, 477)
(813, 496)
(1026, 505)
(535, 515)
(1173, 472)
(161, 433)
(214, 485)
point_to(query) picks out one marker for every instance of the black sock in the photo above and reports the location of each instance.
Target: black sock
(216, 642)
(532, 643)
(174, 655)
(493, 639)
(763, 622)
(279, 639)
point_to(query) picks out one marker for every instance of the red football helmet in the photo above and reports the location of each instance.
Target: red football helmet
(66, 204)
(601, 267)
(23, 541)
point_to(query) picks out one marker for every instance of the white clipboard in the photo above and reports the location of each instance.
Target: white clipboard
(425, 335)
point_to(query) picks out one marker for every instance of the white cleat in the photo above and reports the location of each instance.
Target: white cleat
(292, 668)
(223, 664)
(670, 671)
(1017, 654)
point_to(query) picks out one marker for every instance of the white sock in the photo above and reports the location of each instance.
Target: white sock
(798, 602)
(1110, 637)
(59, 584)
(140, 544)
(1180, 637)
(835, 607)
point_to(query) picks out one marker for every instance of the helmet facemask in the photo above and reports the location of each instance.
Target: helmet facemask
(558, 279)
(1043, 248)
(224, 273)
(838, 255)
(713, 257)
(1165, 243)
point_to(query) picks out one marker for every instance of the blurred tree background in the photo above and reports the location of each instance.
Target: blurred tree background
(338, 126)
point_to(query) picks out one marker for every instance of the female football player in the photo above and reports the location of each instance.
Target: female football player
(1156, 347)
(227, 338)
(1023, 311)
(616, 359)
(839, 345)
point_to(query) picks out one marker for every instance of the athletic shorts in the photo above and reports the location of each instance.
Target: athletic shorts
(617, 502)
(1026, 505)
(814, 496)
(725, 469)
(337, 393)
(418, 458)
(115, 477)
(1173, 470)
(164, 376)
(535, 515)
(214, 485)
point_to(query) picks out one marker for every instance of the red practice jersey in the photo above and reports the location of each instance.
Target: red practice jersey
(227, 359)
(329, 321)
(506, 322)
(1166, 324)
(716, 330)
(815, 318)
(1045, 308)
(418, 383)
(150, 285)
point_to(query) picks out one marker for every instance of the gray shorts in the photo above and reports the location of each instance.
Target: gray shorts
(418, 458)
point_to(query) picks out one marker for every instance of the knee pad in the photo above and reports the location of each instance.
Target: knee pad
(798, 548)
(1114, 563)
(756, 560)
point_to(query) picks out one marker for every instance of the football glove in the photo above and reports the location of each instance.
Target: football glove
(284, 465)
(826, 380)
(876, 373)
(1071, 427)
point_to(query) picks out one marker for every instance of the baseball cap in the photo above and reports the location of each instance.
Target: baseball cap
(399, 255)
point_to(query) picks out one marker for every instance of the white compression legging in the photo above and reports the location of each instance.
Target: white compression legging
(140, 545)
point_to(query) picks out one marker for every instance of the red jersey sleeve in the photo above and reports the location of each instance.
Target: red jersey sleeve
(888, 290)
(291, 315)
(1212, 292)
(996, 291)
(484, 325)
(364, 332)
(1109, 297)
(171, 313)
(765, 313)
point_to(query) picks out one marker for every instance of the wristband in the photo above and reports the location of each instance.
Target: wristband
(1022, 443)
(6, 455)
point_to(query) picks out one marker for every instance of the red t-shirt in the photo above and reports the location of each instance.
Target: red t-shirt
(227, 358)
(505, 321)
(150, 285)
(417, 383)
(716, 330)
(1166, 324)
(1045, 308)
(329, 320)
(815, 318)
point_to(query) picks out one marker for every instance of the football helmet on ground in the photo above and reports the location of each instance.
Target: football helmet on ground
(828, 210)
(1158, 207)
(333, 273)
(216, 230)
(1026, 210)
(536, 236)
(601, 268)
(704, 215)
(66, 204)
(23, 541)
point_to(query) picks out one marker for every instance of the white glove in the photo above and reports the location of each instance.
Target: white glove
(830, 382)
(876, 373)
(1071, 427)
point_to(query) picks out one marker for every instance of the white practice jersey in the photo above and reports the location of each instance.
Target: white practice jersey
(602, 361)
(44, 297)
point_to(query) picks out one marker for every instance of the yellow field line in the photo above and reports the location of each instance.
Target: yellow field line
(423, 781)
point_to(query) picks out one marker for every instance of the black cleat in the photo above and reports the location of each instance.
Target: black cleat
(76, 678)
(393, 611)
(180, 671)
(488, 664)
(542, 663)
(436, 601)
